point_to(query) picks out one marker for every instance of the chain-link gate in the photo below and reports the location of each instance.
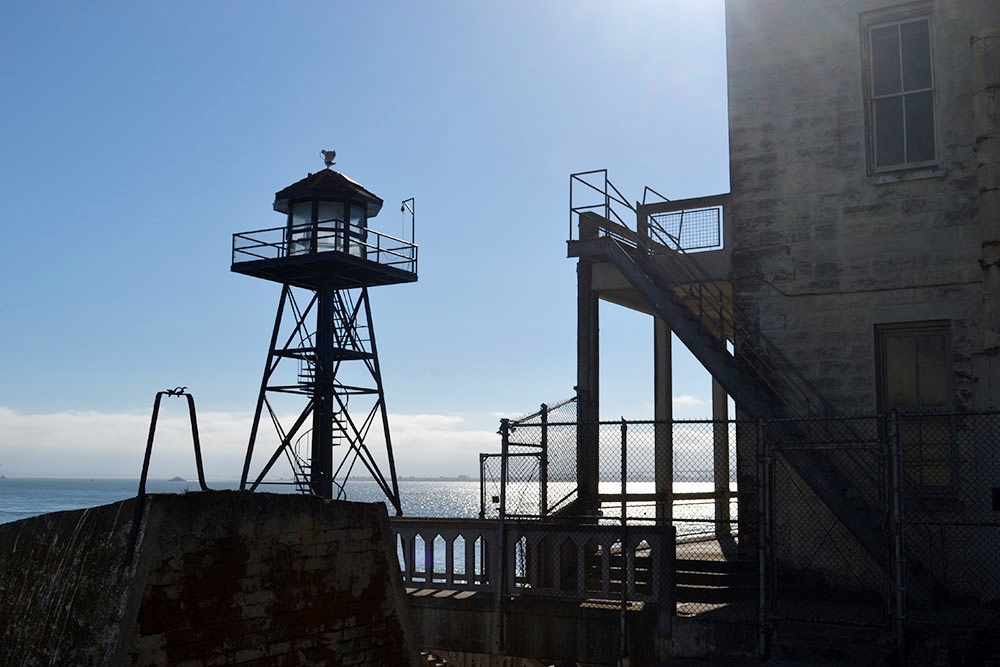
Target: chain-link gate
(889, 521)
(810, 553)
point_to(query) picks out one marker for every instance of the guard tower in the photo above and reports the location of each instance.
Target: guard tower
(322, 349)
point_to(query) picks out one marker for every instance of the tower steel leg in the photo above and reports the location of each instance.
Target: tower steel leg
(337, 364)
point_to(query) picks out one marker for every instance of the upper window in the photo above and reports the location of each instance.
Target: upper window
(900, 94)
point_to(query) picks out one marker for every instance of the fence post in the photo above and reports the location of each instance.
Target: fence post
(543, 464)
(896, 529)
(500, 553)
(626, 555)
(763, 537)
(482, 486)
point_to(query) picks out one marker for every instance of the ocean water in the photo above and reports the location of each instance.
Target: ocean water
(23, 497)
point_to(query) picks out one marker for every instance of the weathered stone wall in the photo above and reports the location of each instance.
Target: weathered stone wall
(217, 578)
(822, 249)
(63, 586)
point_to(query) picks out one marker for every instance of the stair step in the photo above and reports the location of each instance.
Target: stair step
(715, 579)
(715, 594)
(720, 566)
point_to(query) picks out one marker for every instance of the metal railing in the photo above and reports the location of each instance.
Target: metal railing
(691, 225)
(592, 192)
(299, 240)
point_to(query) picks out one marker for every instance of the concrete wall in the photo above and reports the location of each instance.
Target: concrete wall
(216, 578)
(823, 250)
(544, 629)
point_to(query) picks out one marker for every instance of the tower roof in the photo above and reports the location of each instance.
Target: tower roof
(327, 184)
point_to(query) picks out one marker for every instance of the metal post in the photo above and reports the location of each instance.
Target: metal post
(261, 397)
(500, 555)
(663, 435)
(376, 372)
(197, 443)
(720, 461)
(321, 459)
(626, 560)
(896, 530)
(543, 464)
(482, 486)
(149, 444)
(763, 524)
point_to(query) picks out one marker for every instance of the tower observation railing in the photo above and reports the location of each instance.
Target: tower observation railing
(362, 242)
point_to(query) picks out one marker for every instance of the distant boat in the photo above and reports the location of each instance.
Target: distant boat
(176, 479)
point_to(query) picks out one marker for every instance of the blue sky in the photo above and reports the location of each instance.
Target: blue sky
(138, 137)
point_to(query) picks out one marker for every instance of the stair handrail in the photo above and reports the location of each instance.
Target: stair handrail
(767, 359)
(299, 463)
(611, 198)
(796, 395)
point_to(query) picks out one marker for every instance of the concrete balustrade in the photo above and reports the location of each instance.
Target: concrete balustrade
(540, 558)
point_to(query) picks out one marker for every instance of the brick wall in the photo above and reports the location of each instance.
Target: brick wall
(217, 578)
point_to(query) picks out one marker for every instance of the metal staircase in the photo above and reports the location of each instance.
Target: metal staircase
(762, 381)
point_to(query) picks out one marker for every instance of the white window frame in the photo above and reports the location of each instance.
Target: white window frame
(897, 16)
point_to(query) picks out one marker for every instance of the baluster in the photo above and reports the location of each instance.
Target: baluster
(470, 561)
(410, 551)
(449, 556)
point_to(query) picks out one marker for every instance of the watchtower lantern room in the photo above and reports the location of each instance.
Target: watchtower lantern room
(326, 242)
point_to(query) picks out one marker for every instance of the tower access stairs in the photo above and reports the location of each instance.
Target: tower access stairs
(764, 384)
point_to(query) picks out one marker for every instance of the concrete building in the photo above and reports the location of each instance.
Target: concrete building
(851, 271)
(864, 205)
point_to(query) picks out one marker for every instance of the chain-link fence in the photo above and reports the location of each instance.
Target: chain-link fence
(826, 514)
(889, 521)
(949, 481)
(557, 469)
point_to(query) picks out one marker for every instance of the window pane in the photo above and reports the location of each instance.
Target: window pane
(301, 239)
(330, 210)
(900, 372)
(302, 213)
(919, 127)
(889, 132)
(932, 367)
(916, 53)
(359, 232)
(357, 218)
(885, 60)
